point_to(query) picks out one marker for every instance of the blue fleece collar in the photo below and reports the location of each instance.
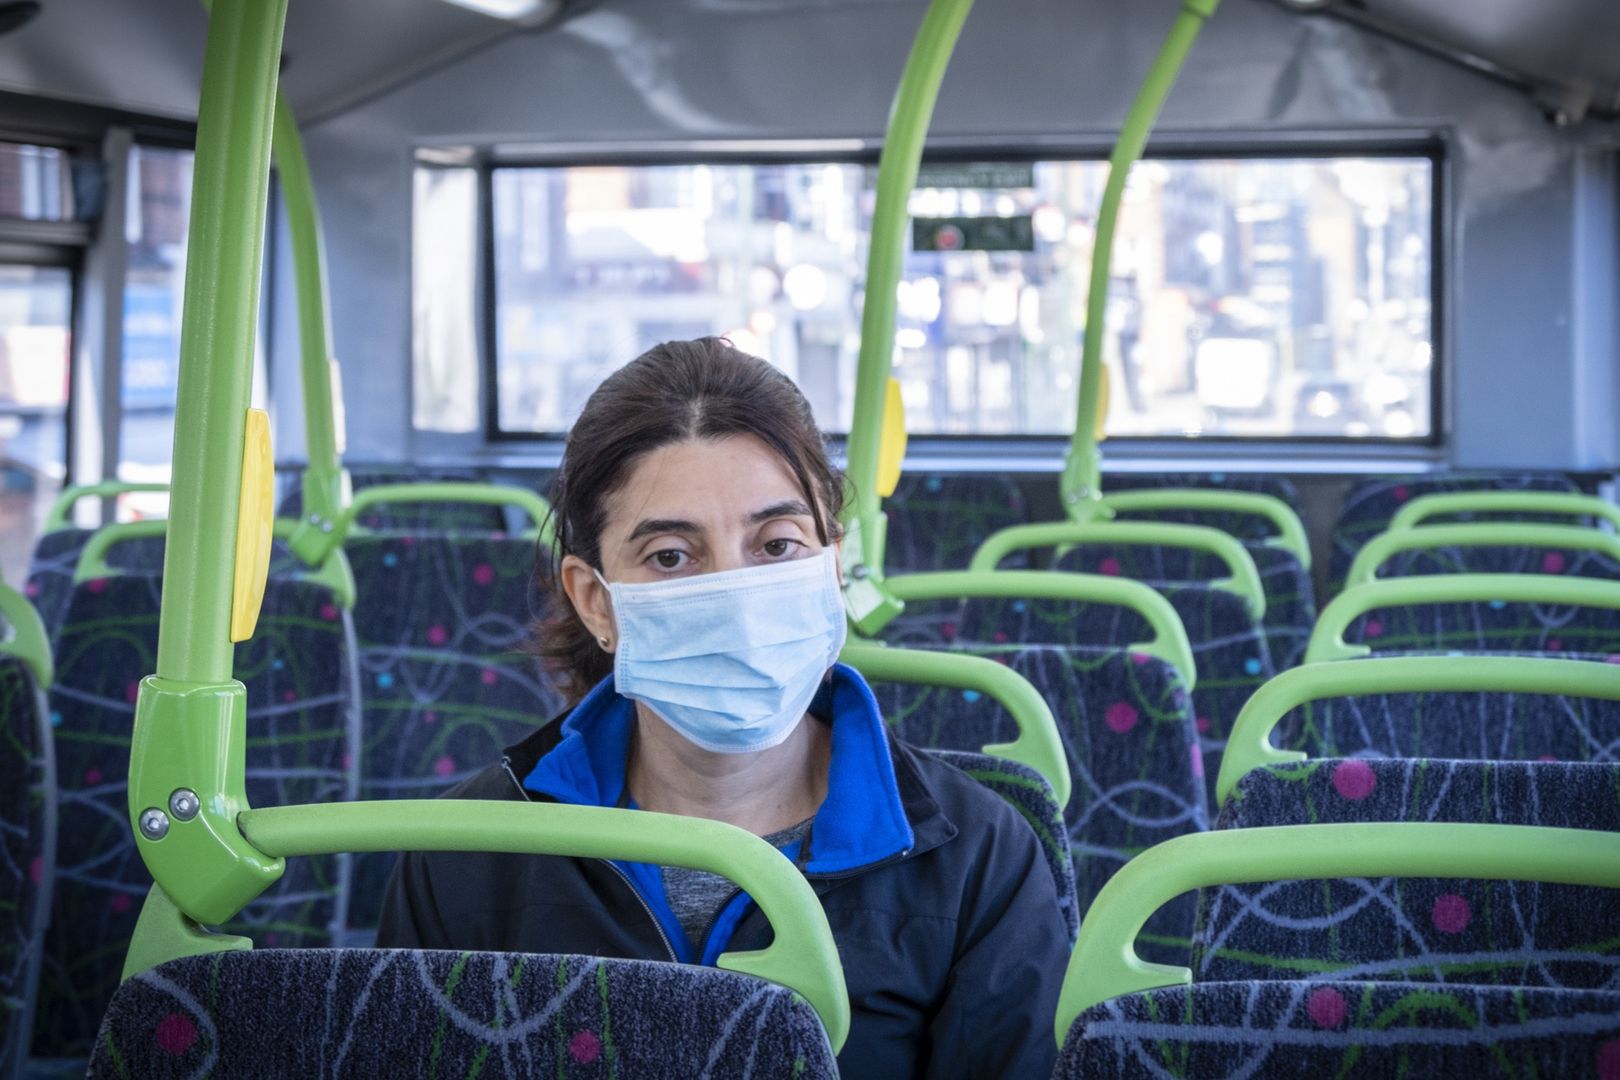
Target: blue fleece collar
(861, 821)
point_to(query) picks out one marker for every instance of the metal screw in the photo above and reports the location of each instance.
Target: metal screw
(315, 519)
(154, 823)
(326, 527)
(184, 804)
(860, 573)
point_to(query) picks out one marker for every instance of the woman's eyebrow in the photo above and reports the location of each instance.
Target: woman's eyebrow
(788, 508)
(654, 526)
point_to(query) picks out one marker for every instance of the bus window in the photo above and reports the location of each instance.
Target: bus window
(35, 310)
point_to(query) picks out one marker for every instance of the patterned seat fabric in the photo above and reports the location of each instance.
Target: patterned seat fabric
(27, 853)
(440, 622)
(1028, 792)
(1370, 504)
(1501, 560)
(1232, 1030)
(1465, 726)
(324, 1013)
(301, 712)
(1247, 527)
(1491, 627)
(1128, 734)
(1418, 930)
(1290, 596)
(937, 522)
(414, 517)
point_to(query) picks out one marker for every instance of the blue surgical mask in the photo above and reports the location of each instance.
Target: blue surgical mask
(730, 660)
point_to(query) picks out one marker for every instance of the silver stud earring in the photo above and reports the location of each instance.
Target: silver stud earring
(604, 641)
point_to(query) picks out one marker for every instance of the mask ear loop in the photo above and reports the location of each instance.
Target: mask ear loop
(602, 639)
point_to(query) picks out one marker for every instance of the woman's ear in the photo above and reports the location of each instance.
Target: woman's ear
(590, 599)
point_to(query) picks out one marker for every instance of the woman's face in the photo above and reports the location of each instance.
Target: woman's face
(695, 507)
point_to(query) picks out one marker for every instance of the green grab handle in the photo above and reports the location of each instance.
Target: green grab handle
(1291, 534)
(1249, 746)
(28, 640)
(333, 572)
(316, 538)
(898, 163)
(1424, 507)
(1375, 552)
(62, 507)
(1244, 582)
(1038, 744)
(1104, 963)
(1327, 638)
(1169, 643)
(802, 955)
(1081, 479)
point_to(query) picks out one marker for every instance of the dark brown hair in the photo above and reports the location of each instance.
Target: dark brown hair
(703, 389)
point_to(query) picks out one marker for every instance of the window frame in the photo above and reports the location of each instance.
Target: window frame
(1430, 145)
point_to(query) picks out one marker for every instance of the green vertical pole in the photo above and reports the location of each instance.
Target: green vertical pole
(897, 174)
(323, 470)
(1083, 466)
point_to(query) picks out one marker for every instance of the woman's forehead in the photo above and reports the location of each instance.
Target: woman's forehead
(703, 480)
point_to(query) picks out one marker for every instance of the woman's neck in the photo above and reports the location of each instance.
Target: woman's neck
(763, 792)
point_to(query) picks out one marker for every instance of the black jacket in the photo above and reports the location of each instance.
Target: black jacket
(953, 950)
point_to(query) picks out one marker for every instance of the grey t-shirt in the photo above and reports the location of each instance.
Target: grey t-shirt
(696, 896)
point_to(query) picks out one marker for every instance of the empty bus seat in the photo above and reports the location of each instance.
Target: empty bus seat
(413, 516)
(1128, 734)
(1501, 560)
(1370, 504)
(329, 1013)
(1508, 933)
(441, 622)
(1246, 527)
(27, 853)
(936, 521)
(1493, 626)
(301, 711)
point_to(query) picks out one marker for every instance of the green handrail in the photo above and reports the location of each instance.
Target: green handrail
(1104, 963)
(1327, 639)
(1243, 582)
(317, 543)
(1377, 551)
(1425, 507)
(1291, 535)
(802, 954)
(1038, 744)
(1169, 642)
(62, 507)
(897, 175)
(1249, 745)
(1082, 467)
(27, 641)
(333, 572)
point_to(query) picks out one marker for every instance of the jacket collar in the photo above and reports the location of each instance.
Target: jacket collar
(878, 806)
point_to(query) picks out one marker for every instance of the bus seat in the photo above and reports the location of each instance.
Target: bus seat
(1501, 560)
(1508, 933)
(1132, 748)
(440, 622)
(1370, 504)
(1028, 792)
(27, 853)
(417, 516)
(301, 710)
(1222, 1030)
(937, 521)
(1246, 527)
(1489, 627)
(351, 1012)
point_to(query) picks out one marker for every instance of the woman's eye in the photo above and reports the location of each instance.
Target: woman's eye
(669, 559)
(781, 547)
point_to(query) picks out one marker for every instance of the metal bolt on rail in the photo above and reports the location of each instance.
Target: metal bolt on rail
(184, 804)
(154, 823)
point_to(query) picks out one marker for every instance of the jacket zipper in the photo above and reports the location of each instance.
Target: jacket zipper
(506, 763)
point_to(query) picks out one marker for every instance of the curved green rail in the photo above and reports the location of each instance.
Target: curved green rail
(1169, 642)
(1082, 467)
(1327, 639)
(1249, 745)
(62, 508)
(27, 641)
(802, 954)
(1038, 744)
(1244, 580)
(1104, 963)
(315, 544)
(1291, 535)
(1377, 551)
(1425, 507)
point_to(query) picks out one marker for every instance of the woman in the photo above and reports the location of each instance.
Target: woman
(696, 630)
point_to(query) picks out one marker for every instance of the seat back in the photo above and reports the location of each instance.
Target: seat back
(27, 853)
(298, 670)
(1501, 560)
(1493, 626)
(937, 521)
(1370, 504)
(1128, 733)
(440, 622)
(1506, 933)
(327, 1013)
(1247, 527)
(416, 517)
